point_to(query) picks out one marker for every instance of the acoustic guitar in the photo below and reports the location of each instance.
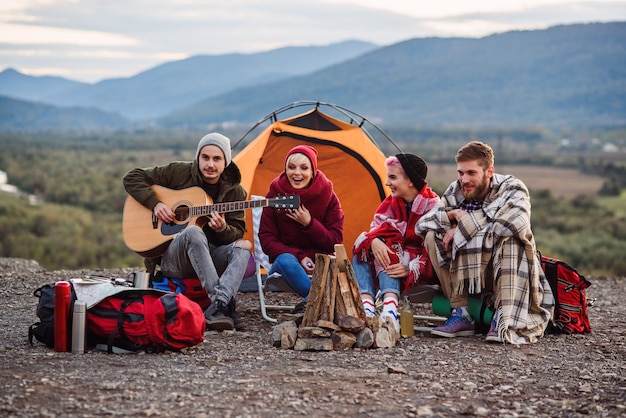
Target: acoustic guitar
(145, 234)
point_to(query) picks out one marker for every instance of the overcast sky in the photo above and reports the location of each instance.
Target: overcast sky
(92, 40)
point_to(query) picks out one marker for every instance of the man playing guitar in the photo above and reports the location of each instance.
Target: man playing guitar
(213, 250)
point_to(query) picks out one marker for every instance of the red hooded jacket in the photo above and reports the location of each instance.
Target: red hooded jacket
(279, 234)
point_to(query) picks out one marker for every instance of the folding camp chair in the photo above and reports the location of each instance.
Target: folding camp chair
(263, 266)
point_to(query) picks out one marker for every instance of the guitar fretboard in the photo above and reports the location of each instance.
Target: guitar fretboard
(227, 207)
(286, 202)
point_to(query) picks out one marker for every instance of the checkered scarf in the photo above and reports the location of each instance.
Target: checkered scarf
(499, 233)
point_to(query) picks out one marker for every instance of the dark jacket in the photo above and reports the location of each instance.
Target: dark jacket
(180, 175)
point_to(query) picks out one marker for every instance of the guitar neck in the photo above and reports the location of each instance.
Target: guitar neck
(147, 236)
(227, 207)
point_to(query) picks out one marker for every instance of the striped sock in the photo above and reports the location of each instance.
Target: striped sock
(390, 309)
(368, 305)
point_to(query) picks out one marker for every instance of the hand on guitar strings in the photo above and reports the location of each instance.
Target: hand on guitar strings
(216, 222)
(164, 213)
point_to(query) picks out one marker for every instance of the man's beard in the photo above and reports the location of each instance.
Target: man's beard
(479, 190)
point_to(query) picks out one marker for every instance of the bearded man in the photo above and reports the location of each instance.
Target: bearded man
(480, 241)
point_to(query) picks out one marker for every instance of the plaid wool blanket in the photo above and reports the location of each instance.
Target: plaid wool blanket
(500, 234)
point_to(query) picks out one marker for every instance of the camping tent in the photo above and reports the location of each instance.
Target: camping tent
(347, 155)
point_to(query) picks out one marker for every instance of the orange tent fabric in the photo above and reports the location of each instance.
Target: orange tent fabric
(346, 155)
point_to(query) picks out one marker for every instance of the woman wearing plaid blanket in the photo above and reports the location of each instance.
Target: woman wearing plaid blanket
(390, 256)
(479, 239)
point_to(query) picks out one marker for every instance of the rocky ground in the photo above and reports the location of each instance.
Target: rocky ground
(240, 374)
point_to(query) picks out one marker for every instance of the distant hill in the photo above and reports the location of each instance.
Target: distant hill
(22, 115)
(35, 89)
(568, 76)
(177, 84)
(571, 75)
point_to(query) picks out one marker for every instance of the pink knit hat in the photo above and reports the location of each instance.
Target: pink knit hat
(307, 150)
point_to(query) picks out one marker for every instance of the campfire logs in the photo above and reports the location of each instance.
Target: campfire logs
(334, 317)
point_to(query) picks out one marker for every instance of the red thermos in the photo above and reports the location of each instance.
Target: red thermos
(61, 315)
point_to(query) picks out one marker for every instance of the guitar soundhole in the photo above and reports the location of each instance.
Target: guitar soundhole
(182, 213)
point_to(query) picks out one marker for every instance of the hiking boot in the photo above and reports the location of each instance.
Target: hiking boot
(493, 335)
(217, 318)
(299, 308)
(232, 313)
(455, 326)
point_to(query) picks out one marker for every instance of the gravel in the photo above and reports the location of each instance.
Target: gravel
(241, 374)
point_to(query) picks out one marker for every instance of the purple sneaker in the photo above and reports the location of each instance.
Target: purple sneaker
(455, 326)
(492, 335)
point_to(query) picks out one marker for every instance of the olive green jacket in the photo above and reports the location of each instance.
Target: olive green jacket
(180, 175)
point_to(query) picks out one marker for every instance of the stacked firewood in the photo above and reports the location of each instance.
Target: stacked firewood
(334, 317)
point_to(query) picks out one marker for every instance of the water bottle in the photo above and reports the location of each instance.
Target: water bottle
(406, 318)
(61, 315)
(78, 327)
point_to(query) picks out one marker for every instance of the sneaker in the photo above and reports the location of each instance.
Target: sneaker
(455, 326)
(232, 312)
(493, 335)
(217, 318)
(299, 308)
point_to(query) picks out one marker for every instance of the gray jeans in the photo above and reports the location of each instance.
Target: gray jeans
(220, 268)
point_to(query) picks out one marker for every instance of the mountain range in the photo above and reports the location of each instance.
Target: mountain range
(563, 76)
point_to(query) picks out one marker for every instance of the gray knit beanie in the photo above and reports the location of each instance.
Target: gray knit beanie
(218, 140)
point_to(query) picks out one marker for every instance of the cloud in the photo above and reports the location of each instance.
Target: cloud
(92, 39)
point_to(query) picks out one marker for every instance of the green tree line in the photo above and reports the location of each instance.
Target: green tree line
(77, 220)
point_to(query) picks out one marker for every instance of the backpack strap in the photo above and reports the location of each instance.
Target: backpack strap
(171, 310)
(550, 270)
(120, 326)
(31, 333)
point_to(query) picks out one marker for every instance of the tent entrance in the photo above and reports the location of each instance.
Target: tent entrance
(347, 155)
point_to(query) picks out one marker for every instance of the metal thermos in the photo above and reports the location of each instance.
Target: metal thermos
(78, 327)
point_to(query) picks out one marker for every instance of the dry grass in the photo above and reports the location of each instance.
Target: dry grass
(566, 183)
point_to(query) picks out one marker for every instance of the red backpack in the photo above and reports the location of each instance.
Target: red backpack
(147, 320)
(568, 287)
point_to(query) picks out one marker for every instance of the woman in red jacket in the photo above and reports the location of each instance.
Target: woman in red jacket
(391, 257)
(292, 238)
